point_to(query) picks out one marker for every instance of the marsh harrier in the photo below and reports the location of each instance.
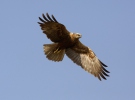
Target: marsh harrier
(65, 42)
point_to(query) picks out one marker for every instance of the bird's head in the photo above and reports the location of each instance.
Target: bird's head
(77, 35)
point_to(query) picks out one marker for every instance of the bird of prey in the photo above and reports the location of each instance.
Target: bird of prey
(65, 42)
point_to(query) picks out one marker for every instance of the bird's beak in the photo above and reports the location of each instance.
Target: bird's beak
(80, 36)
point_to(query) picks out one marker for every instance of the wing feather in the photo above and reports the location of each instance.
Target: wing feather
(54, 19)
(89, 63)
(49, 17)
(42, 20)
(45, 18)
(55, 31)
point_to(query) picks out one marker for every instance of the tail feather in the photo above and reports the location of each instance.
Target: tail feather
(51, 55)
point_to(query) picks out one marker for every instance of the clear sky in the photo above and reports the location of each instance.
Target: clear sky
(107, 27)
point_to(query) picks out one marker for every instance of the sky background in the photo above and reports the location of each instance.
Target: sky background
(107, 27)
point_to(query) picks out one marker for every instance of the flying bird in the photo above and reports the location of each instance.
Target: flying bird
(65, 42)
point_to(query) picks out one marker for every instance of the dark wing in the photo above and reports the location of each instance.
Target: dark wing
(55, 31)
(85, 57)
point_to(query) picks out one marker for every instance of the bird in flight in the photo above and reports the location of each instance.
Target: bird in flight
(65, 42)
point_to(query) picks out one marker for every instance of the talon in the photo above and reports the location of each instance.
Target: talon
(57, 51)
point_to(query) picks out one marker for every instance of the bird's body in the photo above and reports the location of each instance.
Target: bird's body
(68, 43)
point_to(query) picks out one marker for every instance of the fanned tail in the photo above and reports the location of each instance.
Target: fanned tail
(52, 53)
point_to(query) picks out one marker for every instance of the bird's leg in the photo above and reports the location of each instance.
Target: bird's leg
(57, 50)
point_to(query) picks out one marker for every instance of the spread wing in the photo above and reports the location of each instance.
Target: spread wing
(85, 57)
(55, 31)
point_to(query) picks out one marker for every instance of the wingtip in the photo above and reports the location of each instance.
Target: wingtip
(47, 14)
(42, 20)
(103, 63)
(39, 23)
(43, 14)
(47, 18)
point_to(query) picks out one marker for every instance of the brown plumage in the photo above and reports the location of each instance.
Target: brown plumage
(68, 43)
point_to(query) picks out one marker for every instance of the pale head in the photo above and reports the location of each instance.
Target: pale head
(77, 35)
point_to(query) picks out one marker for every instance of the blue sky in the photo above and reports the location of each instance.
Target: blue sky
(107, 27)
